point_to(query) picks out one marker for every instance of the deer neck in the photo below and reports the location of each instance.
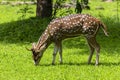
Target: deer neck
(44, 40)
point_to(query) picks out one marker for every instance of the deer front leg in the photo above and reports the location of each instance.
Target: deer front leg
(60, 52)
(54, 54)
(91, 53)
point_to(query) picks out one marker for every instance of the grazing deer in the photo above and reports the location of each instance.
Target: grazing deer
(68, 27)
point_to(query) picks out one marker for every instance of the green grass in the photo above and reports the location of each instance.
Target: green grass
(16, 62)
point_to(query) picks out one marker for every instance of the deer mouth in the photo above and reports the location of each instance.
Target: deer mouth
(36, 62)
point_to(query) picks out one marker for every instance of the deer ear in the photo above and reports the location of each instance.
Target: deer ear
(37, 51)
(41, 48)
(33, 45)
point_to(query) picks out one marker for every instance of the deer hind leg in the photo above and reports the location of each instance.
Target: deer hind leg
(92, 41)
(91, 52)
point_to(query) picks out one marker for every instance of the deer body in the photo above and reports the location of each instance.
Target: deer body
(68, 27)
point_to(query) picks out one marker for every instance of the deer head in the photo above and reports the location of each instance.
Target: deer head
(37, 52)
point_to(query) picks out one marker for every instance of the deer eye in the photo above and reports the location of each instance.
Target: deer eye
(34, 56)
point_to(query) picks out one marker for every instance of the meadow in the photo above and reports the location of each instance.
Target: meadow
(18, 32)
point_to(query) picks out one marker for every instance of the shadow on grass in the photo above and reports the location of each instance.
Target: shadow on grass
(84, 63)
(28, 30)
(70, 64)
(109, 64)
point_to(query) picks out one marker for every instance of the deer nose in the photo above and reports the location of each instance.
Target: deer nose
(35, 63)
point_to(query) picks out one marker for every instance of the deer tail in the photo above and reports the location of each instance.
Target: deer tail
(104, 28)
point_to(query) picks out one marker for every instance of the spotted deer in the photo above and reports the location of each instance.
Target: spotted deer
(68, 27)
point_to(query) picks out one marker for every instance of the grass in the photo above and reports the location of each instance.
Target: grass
(16, 62)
